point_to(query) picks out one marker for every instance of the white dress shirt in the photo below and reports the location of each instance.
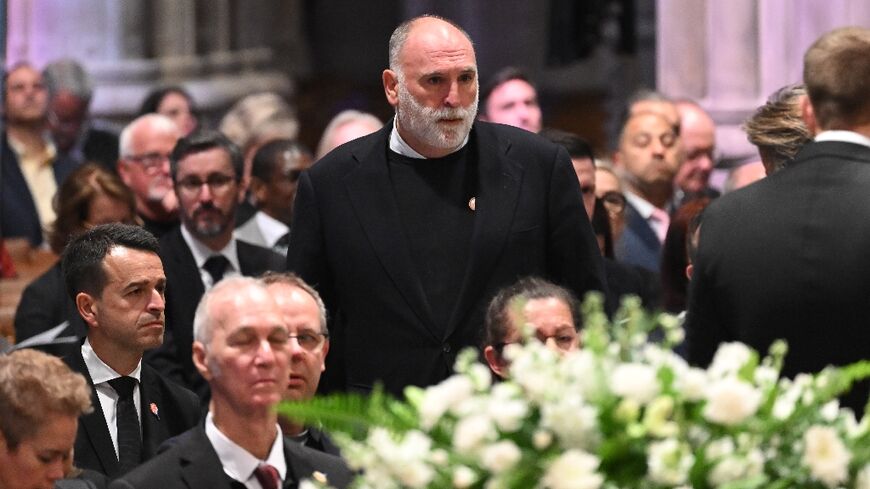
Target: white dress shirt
(201, 253)
(101, 374)
(271, 228)
(237, 462)
(645, 210)
(843, 136)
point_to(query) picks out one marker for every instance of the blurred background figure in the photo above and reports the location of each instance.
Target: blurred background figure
(676, 257)
(274, 174)
(552, 311)
(346, 126)
(698, 140)
(608, 188)
(174, 102)
(90, 196)
(778, 129)
(76, 137)
(743, 175)
(583, 161)
(510, 98)
(41, 400)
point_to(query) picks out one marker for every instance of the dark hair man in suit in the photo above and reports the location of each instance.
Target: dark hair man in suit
(511, 98)
(206, 171)
(409, 231)
(786, 256)
(115, 277)
(242, 348)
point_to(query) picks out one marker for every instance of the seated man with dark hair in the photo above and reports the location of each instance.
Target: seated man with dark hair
(552, 311)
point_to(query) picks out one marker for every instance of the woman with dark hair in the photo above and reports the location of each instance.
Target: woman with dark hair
(675, 255)
(91, 195)
(173, 102)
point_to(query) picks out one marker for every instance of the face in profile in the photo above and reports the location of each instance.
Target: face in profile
(129, 312)
(177, 107)
(39, 460)
(550, 321)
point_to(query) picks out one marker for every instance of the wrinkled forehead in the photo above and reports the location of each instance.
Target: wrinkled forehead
(436, 45)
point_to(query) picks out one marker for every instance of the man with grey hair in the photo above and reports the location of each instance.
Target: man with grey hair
(144, 167)
(427, 218)
(76, 136)
(242, 348)
(346, 126)
(786, 257)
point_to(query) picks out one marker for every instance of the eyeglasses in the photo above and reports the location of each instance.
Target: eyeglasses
(614, 202)
(218, 183)
(310, 341)
(150, 162)
(563, 341)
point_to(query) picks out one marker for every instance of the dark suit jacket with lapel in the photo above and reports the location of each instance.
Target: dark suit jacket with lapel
(638, 244)
(183, 291)
(177, 411)
(45, 304)
(193, 464)
(347, 242)
(786, 257)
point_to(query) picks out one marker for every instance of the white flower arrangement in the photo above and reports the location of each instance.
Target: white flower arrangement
(618, 413)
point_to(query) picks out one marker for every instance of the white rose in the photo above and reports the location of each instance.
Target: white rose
(668, 462)
(463, 477)
(439, 398)
(574, 469)
(541, 439)
(471, 432)
(730, 401)
(692, 384)
(509, 414)
(826, 456)
(414, 475)
(830, 410)
(733, 468)
(573, 422)
(501, 456)
(862, 481)
(635, 381)
(729, 358)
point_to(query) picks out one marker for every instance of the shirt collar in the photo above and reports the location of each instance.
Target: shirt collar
(237, 462)
(21, 151)
(271, 228)
(644, 208)
(398, 145)
(201, 252)
(843, 136)
(100, 372)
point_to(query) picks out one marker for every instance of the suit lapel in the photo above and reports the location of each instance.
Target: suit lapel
(185, 266)
(200, 465)
(154, 430)
(371, 194)
(94, 425)
(641, 228)
(499, 181)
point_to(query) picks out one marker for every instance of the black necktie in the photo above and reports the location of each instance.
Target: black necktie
(267, 476)
(129, 436)
(283, 241)
(216, 265)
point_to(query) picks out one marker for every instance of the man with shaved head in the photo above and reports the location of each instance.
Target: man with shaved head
(407, 233)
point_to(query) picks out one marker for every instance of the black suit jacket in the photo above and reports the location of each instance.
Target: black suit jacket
(45, 304)
(177, 411)
(348, 242)
(786, 257)
(183, 291)
(193, 464)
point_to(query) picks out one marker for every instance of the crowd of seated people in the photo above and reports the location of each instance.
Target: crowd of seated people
(192, 257)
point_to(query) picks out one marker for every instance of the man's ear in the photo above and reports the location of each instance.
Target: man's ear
(258, 190)
(121, 168)
(200, 361)
(88, 308)
(391, 86)
(496, 363)
(325, 352)
(809, 116)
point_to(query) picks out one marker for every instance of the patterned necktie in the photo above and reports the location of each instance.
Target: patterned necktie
(267, 476)
(129, 436)
(216, 265)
